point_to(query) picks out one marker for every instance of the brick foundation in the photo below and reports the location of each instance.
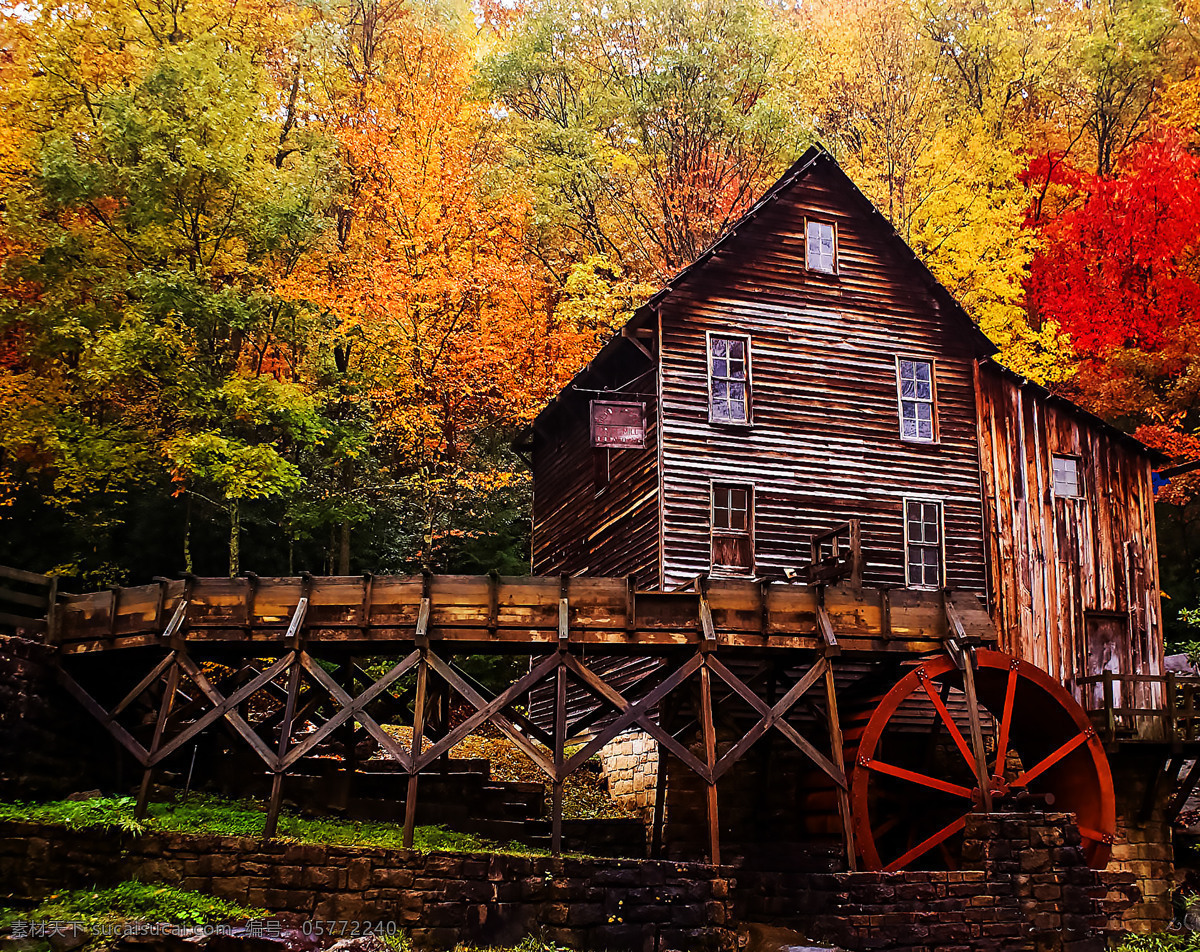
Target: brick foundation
(1143, 844)
(629, 766)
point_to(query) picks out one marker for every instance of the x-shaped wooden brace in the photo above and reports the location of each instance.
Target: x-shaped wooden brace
(636, 713)
(353, 708)
(774, 717)
(490, 711)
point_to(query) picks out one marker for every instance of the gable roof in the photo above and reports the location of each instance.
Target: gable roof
(814, 157)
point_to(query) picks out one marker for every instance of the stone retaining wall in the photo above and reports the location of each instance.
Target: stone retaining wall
(1031, 891)
(442, 898)
(1028, 888)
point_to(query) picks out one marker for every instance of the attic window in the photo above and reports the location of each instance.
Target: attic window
(1067, 482)
(728, 379)
(820, 253)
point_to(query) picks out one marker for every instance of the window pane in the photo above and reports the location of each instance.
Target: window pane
(908, 387)
(720, 367)
(924, 556)
(737, 349)
(720, 347)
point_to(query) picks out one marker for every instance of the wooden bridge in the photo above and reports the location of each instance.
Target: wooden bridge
(281, 663)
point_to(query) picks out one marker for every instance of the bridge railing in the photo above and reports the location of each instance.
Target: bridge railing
(1157, 708)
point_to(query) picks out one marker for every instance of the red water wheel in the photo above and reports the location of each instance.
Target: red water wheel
(915, 781)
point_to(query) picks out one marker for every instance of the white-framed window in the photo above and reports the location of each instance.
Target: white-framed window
(728, 378)
(918, 400)
(1068, 476)
(733, 527)
(924, 543)
(820, 246)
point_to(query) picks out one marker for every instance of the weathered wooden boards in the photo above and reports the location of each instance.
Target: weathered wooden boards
(1074, 579)
(26, 599)
(499, 613)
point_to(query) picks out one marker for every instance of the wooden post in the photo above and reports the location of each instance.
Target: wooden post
(285, 735)
(835, 741)
(421, 640)
(349, 733)
(164, 712)
(295, 642)
(560, 715)
(709, 734)
(560, 743)
(1110, 716)
(1170, 704)
(410, 796)
(981, 767)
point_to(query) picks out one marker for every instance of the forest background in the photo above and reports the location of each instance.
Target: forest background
(280, 280)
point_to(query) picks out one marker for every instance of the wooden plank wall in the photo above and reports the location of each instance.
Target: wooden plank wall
(824, 446)
(1054, 559)
(578, 530)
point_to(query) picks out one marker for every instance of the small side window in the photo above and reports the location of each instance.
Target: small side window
(1068, 483)
(923, 543)
(918, 404)
(728, 379)
(733, 527)
(821, 247)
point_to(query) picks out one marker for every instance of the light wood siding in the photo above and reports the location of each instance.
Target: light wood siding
(1055, 559)
(825, 443)
(577, 530)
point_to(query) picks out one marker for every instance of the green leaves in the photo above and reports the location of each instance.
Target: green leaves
(238, 470)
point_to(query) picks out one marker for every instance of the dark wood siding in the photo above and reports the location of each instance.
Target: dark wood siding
(1060, 566)
(581, 531)
(824, 445)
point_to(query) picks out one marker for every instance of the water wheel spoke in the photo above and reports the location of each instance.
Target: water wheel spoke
(944, 713)
(1010, 693)
(1094, 835)
(927, 844)
(1049, 761)
(924, 780)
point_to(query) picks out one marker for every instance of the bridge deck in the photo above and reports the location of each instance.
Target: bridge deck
(494, 613)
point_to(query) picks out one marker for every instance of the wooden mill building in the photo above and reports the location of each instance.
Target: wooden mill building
(808, 370)
(806, 392)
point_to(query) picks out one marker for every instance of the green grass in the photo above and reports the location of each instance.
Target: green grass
(1161, 942)
(132, 901)
(204, 814)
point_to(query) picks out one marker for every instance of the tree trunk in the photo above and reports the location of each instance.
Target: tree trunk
(187, 535)
(235, 541)
(344, 551)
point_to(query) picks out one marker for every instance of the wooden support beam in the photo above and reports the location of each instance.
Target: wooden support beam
(1179, 801)
(160, 726)
(107, 721)
(285, 736)
(982, 774)
(637, 713)
(828, 636)
(559, 751)
(708, 736)
(839, 761)
(410, 796)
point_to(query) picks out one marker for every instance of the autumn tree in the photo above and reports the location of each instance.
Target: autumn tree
(647, 128)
